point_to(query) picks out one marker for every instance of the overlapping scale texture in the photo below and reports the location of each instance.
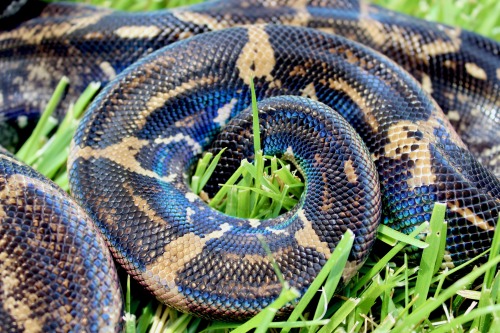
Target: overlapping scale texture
(132, 154)
(56, 274)
(133, 151)
(458, 68)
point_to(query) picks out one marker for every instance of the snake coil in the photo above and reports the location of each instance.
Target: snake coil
(132, 152)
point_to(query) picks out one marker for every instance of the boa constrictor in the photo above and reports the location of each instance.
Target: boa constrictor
(175, 79)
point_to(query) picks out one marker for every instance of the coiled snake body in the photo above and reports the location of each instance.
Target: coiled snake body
(132, 152)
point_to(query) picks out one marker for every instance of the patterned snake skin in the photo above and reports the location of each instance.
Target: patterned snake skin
(135, 146)
(55, 270)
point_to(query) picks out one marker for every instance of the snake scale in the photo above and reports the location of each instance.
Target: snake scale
(174, 79)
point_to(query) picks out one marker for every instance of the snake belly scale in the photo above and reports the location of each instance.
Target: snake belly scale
(132, 152)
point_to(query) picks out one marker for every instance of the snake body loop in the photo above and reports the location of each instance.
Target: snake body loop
(458, 68)
(56, 274)
(165, 121)
(161, 109)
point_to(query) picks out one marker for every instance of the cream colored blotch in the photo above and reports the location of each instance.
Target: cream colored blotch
(475, 71)
(257, 56)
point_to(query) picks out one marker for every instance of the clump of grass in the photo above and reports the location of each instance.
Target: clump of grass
(47, 148)
(383, 298)
(254, 190)
(480, 16)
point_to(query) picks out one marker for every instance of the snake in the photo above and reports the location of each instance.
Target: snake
(382, 114)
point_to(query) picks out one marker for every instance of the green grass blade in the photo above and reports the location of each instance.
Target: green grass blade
(255, 119)
(30, 147)
(386, 258)
(486, 299)
(145, 318)
(129, 318)
(264, 193)
(232, 201)
(218, 326)
(85, 98)
(178, 325)
(477, 313)
(259, 169)
(331, 283)
(495, 251)
(279, 203)
(422, 312)
(340, 315)
(430, 254)
(335, 265)
(56, 154)
(227, 186)
(244, 203)
(210, 170)
(271, 259)
(369, 296)
(287, 295)
(201, 169)
(392, 237)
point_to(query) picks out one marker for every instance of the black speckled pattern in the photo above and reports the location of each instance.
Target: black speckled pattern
(56, 273)
(149, 125)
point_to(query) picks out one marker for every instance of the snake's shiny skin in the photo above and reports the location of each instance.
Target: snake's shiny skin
(460, 69)
(132, 152)
(55, 271)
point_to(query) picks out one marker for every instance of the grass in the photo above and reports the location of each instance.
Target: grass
(481, 16)
(388, 294)
(254, 190)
